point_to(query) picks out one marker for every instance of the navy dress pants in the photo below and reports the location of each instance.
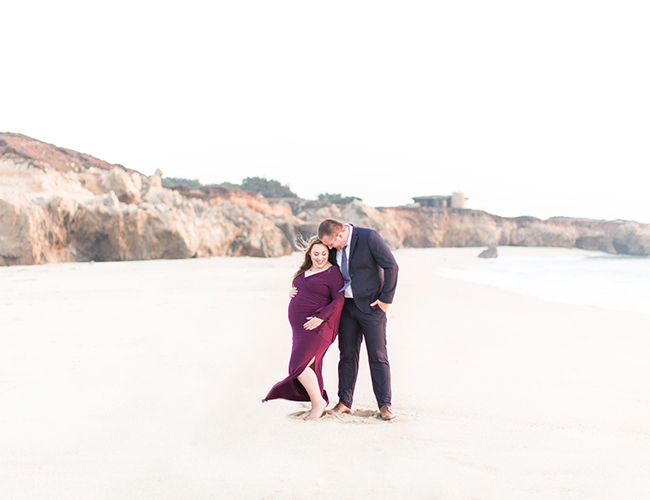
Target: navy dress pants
(371, 327)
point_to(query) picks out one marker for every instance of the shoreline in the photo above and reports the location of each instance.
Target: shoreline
(563, 276)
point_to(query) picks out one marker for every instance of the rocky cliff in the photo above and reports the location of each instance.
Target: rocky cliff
(418, 227)
(58, 205)
(428, 227)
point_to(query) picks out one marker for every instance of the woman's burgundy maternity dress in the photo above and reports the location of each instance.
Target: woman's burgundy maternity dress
(318, 295)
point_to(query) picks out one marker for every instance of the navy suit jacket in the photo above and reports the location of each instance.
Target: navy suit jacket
(373, 268)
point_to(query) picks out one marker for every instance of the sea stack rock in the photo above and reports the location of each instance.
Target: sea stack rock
(490, 253)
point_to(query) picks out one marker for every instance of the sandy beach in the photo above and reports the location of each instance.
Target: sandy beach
(144, 380)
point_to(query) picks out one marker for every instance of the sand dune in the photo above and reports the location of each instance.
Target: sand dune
(143, 380)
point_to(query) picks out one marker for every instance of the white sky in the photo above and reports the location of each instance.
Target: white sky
(530, 108)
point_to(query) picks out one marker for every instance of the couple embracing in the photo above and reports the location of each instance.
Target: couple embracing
(344, 286)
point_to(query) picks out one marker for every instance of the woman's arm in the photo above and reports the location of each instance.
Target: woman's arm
(335, 283)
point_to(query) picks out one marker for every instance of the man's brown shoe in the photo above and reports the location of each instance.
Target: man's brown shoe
(339, 408)
(386, 413)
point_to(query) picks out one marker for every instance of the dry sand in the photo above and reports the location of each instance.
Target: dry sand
(143, 380)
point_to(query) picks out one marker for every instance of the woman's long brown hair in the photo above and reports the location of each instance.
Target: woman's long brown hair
(307, 248)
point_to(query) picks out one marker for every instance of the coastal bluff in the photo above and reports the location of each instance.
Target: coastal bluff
(58, 205)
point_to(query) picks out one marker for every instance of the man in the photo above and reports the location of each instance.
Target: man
(370, 274)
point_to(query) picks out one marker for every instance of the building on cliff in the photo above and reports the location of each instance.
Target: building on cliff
(456, 200)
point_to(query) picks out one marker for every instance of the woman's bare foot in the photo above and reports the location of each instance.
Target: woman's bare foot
(304, 416)
(317, 410)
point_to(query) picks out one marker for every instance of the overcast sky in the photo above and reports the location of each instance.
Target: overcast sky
(530, 108)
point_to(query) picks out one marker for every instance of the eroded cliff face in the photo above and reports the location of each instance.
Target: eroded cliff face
(57, 205)
(427, 227)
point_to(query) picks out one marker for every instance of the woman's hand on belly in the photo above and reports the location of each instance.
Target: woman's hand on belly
(312, 323)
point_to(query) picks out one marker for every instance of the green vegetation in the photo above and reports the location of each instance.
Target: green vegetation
(337, 198)
(170, 182)
(267, 188)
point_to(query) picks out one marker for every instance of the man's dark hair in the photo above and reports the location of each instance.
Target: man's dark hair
(330, 227)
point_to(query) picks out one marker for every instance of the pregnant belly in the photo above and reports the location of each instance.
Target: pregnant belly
(300, 309)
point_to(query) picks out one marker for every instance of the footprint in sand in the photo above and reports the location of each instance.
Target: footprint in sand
(360, 416)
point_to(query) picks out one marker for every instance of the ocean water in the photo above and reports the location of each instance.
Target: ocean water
(617, 282)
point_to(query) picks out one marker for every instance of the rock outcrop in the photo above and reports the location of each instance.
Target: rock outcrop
(430, 227)
(419, 227)
(57, 205)
(489, 253)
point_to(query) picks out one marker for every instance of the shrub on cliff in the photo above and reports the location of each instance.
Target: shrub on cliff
(269, 188)
(337, 198)
(170, 182)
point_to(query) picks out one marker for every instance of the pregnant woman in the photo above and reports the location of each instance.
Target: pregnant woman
(314, 314)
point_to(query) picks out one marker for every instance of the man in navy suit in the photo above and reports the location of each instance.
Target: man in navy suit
(370, 273)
